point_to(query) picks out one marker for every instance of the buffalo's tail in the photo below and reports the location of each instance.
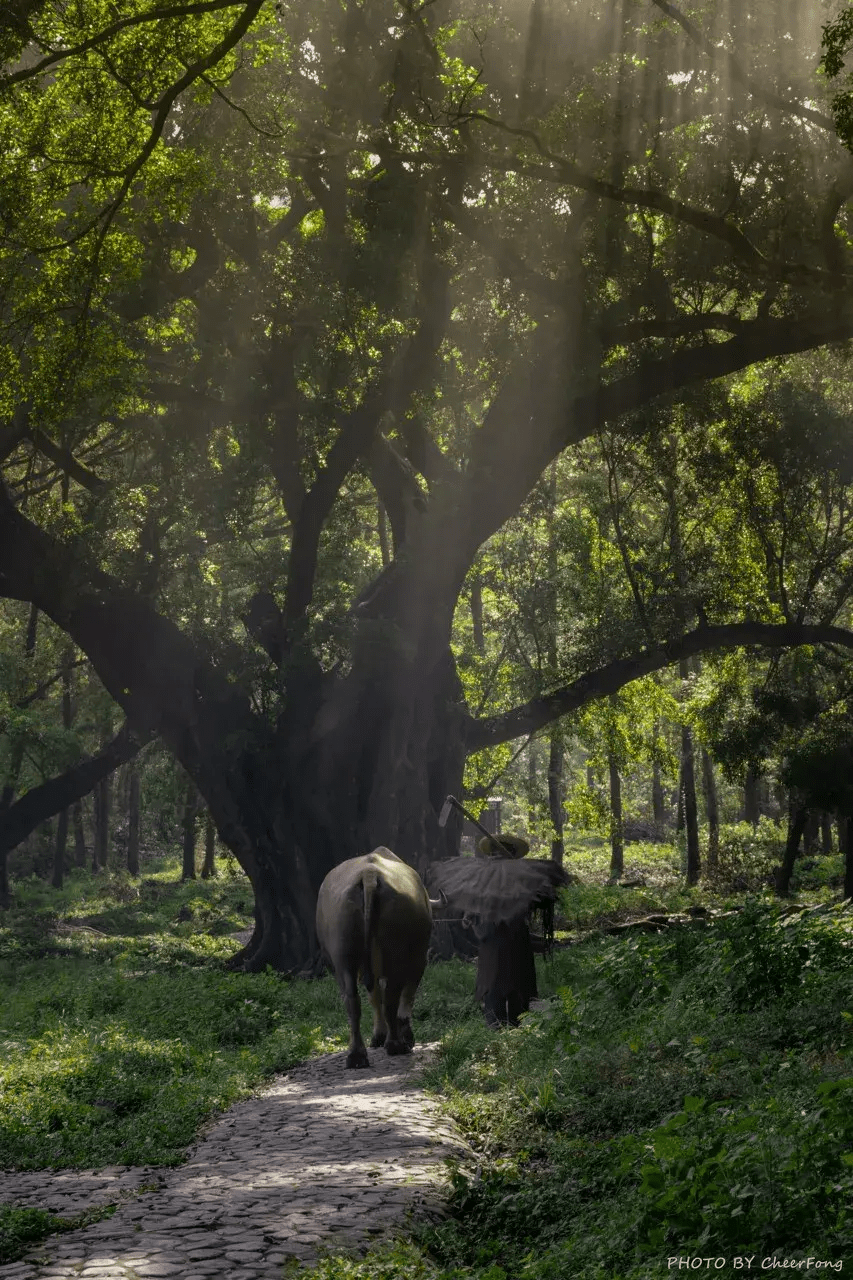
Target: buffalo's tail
(370, 886)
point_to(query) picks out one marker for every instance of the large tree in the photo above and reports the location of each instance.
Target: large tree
(262, 265)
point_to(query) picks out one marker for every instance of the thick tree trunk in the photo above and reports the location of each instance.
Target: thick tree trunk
(208, 869)
(556, 759)
(712, 808)
(380, 777)
(188, 827)
(785, 869)
(617, 846)
(848, 857)
(133, 819)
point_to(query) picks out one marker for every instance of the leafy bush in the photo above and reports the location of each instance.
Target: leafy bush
(717, 1178)
(591, 1161)
(749, 855)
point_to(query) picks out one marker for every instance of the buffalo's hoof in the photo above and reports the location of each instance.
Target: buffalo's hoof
(393, 1047)
(378, 1039)
(358, 1058)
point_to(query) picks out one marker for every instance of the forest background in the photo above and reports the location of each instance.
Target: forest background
(424, 398)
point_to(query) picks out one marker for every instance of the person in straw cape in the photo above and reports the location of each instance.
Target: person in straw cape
(496, 891)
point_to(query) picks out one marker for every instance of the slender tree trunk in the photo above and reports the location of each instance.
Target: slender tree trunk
(785, 869)
(848, 857)
(811, 834)
(658, 803)
(189, 831)
(67, 720)
(751, 808)
(80, 851)
(709, 784)
(15, 762)
(617, 850)
(59, 849)
(826, 833)
(133, 818)
(531, 785)
(556, 760)
(691, 815)
(208, 869)
(101, 843)
(103, 795)
(687, 792)
(556, 751)
(477, 614)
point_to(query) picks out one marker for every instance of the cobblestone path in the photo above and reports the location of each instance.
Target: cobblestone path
(322, 1156)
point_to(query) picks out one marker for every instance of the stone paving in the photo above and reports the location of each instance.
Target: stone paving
(323, 1156)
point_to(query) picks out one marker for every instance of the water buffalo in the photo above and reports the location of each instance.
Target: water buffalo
(374, 917)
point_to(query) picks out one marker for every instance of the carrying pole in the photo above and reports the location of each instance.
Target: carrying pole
(451, 801)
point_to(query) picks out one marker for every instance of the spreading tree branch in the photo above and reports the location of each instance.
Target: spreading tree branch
(42, 802)
(403, 375)
(157, 14)
(148, 666)
(395, 482)
(104, 218)
(535, 414)
(66, 461)
(541, 711)
(560, 170)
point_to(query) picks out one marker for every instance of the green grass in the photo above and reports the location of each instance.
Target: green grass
(691, 1094)
(20, 1229)
(121, 1032)
(692, 1091)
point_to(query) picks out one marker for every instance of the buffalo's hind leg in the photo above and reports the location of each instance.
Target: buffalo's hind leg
(357, 1056)
(380, 1026)
(400, 1038)
(404, 1013)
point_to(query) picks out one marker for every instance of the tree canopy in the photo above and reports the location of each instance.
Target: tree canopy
(301, 307)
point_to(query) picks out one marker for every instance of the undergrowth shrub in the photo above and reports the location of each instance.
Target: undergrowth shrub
(748, 855)
(685, 1092)
(720, 1178)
